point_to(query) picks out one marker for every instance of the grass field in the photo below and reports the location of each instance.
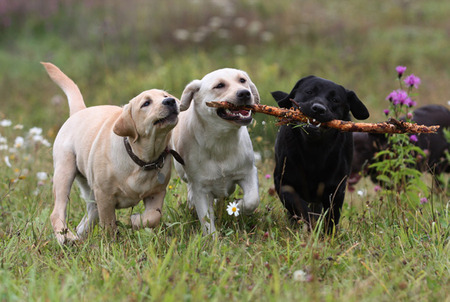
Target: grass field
(385, 249)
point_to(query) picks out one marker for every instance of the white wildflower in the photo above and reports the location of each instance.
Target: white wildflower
(18, 127)
(258, 157)
(215, 22)
(46, 143)
(5, 123)
(254, 27)
(3, 147)
(3, 140)
(266, 36)
(41, 176)
(7, 161)
(300, 275)
(232, 209)
(361, 193)
(19, 141)
(181, 34)
(35, 131)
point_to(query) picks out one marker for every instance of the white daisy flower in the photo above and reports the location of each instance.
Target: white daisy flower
(35, 131)
(232, 209)
(5, 123)
(18, 143)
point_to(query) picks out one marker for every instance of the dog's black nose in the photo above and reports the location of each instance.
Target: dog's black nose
(319, 109)
(243, 95)
(169, 102)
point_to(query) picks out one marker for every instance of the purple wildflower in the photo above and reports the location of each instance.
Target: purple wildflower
(377, 188)
(400, 70)
(423, 200)
(398, 96)
(413, 138)
(268, 176)
(412, 80)
(386, 111)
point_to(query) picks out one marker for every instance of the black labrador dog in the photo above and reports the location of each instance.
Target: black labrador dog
(312, 163)
(434, 144)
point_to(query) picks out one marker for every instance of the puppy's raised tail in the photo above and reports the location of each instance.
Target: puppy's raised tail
(74, 96)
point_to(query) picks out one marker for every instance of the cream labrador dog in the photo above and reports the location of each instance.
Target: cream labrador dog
(117, 155)
(215, 143)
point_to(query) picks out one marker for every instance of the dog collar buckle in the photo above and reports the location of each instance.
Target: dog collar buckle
(158, 164)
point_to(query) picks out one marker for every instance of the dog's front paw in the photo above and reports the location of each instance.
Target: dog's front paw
(247, 207)
(149, 219)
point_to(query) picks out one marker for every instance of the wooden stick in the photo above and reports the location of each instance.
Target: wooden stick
(287, 116)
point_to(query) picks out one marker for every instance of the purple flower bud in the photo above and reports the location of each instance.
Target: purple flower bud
(409, 115)
(413, 138)
(412, 80)
(400, 70)
(423, 200)
(386, 111)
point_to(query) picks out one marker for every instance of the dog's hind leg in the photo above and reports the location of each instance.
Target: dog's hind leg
(251, 194)
(63, 177)
(90, 219)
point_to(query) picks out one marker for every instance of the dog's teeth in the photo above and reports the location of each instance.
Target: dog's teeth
(318, 125)
(314, 120)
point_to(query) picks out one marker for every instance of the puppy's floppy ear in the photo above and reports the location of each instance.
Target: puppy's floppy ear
(188, 94)
(282, 99)
(253, 89)
(357, 108)
(125, 126)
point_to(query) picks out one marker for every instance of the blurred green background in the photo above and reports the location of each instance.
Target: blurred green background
(115, 49)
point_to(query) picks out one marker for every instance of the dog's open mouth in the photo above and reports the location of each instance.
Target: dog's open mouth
(171, 118)
(241, 116)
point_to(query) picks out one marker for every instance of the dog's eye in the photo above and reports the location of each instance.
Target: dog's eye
(220, 85)
(308, 92)
(147, 103)
(335, 100)
(242, 80)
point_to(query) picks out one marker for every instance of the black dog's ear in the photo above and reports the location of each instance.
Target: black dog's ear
(282, 99)
(357, 108)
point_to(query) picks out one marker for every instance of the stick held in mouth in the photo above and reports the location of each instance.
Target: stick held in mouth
(287, 116)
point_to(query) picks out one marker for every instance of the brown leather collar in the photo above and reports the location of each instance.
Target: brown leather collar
(157, 164)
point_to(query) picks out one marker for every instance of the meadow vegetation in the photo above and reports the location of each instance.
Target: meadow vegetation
(388, 247)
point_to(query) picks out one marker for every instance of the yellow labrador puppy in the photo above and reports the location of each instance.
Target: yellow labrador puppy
(117, 155)
(215, 143)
